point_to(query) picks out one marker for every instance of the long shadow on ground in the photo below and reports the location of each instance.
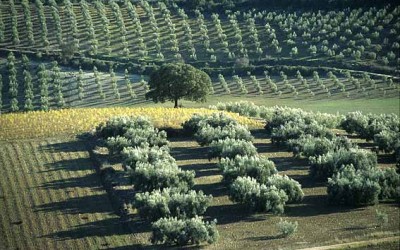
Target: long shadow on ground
(78, 205)
(68, 146)
(87, 181)
(189, 153)
(202, 169)
(313, 205)
(79, 164)
(99, 228)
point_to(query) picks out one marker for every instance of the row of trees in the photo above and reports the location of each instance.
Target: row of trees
(351, 34)
(352, 173)
(163, 190)
(253, 180)
(52, 84)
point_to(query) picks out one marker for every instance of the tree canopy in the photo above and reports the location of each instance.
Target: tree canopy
(173, 82)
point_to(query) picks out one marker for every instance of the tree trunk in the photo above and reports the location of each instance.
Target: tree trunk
(176, 103)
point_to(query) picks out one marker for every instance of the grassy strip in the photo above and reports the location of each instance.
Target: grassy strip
(39, 124)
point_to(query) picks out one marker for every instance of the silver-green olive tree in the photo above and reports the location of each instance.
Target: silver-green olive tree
(173, 82)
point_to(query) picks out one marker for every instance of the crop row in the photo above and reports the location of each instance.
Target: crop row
(26, 85)
(128, 30)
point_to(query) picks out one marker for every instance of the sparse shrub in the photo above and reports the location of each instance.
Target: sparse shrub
(387, 140)
(116, 144)
(160, 175)
(119, 125)
(326, 165)
(230, 148)
(367, 126)
(256, 167)
(294, 130)
(171, 203)
(291, 187)
(354, 122)
(308, 145)
(197, 121)
(356, 187)
(389, 181)
(131, 156)
(184, 231)
(208, 134)
(286, 228)
(258, 197)
(381, 217)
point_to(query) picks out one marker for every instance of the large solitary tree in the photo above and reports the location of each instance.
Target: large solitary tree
(173, 82)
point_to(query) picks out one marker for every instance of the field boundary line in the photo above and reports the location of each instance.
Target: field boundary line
(355, 244)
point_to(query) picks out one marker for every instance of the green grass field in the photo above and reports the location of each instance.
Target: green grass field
(341, 106)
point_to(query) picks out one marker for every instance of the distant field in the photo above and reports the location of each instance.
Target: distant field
(51, 198)
(342, 106)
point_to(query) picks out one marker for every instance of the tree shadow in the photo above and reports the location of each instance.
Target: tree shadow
(189, 153)
(78, 205)
(265, 238)
(98, 228)
(68, 146)
(161, 246)
(386, 158)
(286, 164)
(215, 189)
(313, 205)
(202, 169)
(267, 148)
(231, 213)
(79, 164)
(87, 181)
(308, 181)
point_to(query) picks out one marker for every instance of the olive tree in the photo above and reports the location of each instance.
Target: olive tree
(173, 82)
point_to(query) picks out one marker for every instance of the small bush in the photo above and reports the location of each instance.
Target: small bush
(197, 121)
(291, 187)
(326, 165)
(134, 137)
(389, 181)
(160, 175)
(184, 231)
(120, 124)
(354, 187)
(382, 218)
(294, 130)
(258, 197)
(115, 145)
(230, 148)
(131, 156)
(152, 136)
(286, 228)
(354, 122)
(207, 134)
(387, 140)
(257, 167)
(308, 145)
(276, 116)
(170, 203)
(367, 126)
(282, 116)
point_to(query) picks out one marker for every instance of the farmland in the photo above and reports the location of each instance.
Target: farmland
(43, 186)
(296, 147)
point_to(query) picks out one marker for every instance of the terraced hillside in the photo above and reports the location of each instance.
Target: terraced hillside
(107, 50)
